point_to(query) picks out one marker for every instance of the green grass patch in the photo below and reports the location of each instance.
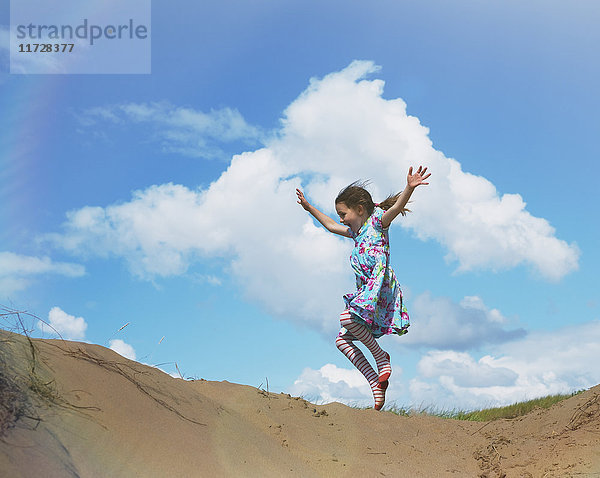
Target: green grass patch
(510, 411)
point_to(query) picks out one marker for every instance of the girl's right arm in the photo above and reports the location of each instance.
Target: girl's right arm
(324, 219)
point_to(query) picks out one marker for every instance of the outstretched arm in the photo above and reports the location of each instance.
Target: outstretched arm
(324, 219)
(412, 181)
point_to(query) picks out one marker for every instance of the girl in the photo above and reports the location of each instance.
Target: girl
(375, 308)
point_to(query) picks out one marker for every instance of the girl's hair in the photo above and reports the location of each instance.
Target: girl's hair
(355, 195)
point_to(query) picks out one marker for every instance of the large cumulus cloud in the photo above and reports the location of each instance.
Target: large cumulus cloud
(339, 129)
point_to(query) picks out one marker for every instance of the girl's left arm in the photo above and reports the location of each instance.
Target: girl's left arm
(412, 181)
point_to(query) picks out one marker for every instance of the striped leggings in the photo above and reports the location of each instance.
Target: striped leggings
(355, 331)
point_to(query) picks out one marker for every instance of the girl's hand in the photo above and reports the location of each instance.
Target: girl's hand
(302, 200)
(414, 180)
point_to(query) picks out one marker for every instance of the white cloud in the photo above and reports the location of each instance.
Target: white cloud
(208, 279)
(282, 260)
(17, 271)
(543, 363)
(122, 348)
(338, 130)
(483, 230)
(181, 130)
(332, 384)
(341, 129)
(464, 371)
(335, 384)
(442, 323)
(11, 285)
(68, 326)
(151, 231)
(11, 263)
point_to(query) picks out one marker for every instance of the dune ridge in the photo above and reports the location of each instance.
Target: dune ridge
(81, 410)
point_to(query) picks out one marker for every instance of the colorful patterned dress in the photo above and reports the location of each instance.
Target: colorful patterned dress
(377, 302)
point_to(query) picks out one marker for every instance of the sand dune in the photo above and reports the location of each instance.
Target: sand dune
(75, 409)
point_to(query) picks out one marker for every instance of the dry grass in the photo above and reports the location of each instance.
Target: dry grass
(486, 414)
(131, 373)
(13, 400)
(21, 393)
(15, 403)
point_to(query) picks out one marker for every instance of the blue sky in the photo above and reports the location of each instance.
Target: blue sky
(166, 200)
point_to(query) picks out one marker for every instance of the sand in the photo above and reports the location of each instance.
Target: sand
(74, 409)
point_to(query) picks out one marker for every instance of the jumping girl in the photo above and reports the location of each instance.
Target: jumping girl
(375, 308)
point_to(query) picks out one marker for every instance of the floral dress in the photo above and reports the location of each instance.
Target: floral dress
(377, 301)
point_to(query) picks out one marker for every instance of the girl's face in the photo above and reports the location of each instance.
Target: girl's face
(354, 218)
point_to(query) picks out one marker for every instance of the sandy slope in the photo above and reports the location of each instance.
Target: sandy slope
(86, 411)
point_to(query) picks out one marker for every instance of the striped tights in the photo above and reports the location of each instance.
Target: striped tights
(345, 343)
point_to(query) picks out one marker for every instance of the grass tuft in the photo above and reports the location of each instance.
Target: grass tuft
(515, 410)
